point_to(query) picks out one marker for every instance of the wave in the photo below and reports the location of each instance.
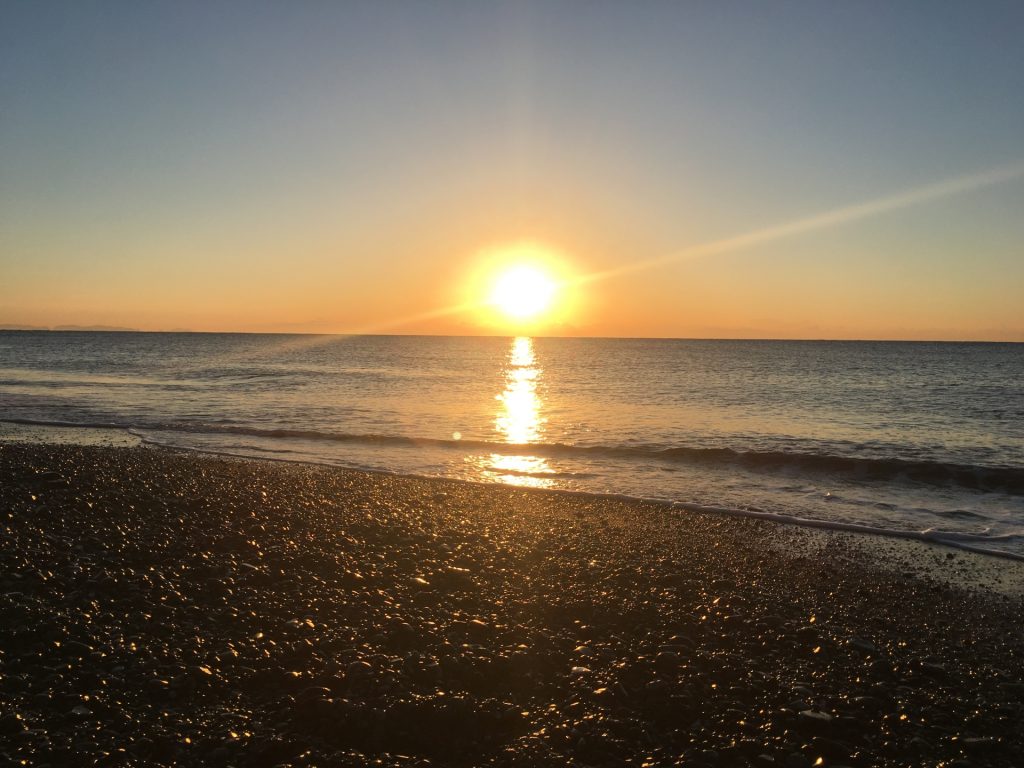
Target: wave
(983, 478)
(973, 542)
(1004, 479)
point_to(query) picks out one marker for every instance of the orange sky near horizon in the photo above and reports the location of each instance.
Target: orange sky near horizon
(691, 300)
(779, 289)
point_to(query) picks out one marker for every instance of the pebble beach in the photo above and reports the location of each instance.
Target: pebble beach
(168, 608)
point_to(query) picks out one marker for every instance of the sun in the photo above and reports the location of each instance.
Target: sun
(524, 287)
(523, 292)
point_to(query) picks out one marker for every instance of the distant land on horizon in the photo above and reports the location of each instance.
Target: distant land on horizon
(20, 327)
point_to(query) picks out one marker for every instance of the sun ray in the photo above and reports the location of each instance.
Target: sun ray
(830, 218)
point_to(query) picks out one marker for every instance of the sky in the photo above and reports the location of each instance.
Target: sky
(349, 167)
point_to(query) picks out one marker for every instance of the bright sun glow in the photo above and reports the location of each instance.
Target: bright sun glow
(523, 292)
(522, 288)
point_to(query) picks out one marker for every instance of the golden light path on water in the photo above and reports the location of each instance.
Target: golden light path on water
(519, 421)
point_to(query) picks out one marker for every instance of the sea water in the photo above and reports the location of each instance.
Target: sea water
(920, 438)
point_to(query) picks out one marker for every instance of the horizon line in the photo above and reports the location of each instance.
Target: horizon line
(894, 340)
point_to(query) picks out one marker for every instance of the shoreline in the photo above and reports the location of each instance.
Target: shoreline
(167, 607)
(113, 435)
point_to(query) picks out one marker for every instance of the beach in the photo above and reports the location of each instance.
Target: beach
(162, 607)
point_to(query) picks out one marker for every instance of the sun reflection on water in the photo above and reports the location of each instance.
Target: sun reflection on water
(519, 420)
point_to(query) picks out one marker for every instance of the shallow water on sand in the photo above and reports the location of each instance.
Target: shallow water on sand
(893, 435)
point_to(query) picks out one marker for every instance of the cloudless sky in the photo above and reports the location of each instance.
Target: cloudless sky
(328, 166)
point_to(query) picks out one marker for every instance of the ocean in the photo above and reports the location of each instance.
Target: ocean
(907, 438)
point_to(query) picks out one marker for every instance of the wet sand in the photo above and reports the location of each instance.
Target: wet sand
(162, 608)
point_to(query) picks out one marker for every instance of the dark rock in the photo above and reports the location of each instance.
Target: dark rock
(861, 645)
(979, 743)
(813, 720)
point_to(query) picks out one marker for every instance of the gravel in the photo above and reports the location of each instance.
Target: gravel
(163, 608)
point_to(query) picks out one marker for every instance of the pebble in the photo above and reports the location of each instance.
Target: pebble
(813, 719)
(352, 619)
(861, 645)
